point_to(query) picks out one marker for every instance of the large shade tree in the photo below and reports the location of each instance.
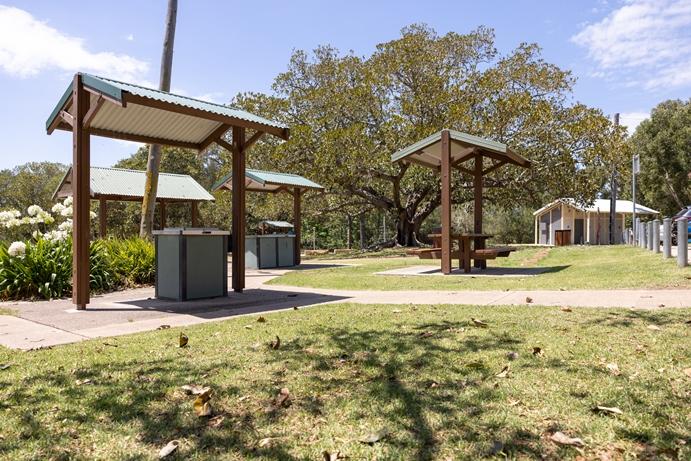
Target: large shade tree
(348, 114)
(664, 144)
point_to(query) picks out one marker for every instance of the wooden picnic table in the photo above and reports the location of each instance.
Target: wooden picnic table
(465, 247)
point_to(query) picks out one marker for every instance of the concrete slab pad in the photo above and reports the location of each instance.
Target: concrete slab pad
(474, 272)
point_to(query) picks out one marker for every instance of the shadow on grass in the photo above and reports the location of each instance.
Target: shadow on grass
(423, 381)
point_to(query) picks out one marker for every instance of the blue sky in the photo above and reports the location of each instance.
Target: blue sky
(627, 55)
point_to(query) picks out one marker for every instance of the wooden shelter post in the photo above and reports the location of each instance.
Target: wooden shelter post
(81, 195)
(477, 209)
(297, 222)
(445, 202)
(102, 216)
(195, 214)
(238, 225)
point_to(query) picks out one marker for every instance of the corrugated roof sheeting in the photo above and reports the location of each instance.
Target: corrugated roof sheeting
(147, 121)
(161, 123)
(599, 206)
(188, 102)
(130, 183)
(269, 181)
(428, 150)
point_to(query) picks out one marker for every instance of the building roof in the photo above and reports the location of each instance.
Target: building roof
(122, 184)
(428, 151)
(278, 224)
(599, 205)
(268, 181)
(127, 111)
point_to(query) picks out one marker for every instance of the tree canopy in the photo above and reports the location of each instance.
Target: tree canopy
(663, 143)
(348, 114)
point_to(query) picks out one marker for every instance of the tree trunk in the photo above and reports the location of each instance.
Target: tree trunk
(154, 160)
(363, 238)
(349, 232)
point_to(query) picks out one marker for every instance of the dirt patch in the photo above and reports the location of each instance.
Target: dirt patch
(537, 257)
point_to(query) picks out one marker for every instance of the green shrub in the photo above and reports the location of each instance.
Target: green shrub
(45, 271)
(45, 268)
(133, 260)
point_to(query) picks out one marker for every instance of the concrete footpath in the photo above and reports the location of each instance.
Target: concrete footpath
(48, 323)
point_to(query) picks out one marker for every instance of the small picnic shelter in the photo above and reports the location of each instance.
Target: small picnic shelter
(273, 182)
(449, 150)
(124, 185)
(101, 106)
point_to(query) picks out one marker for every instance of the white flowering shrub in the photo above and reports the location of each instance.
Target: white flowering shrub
(17, 249)
(38, 222)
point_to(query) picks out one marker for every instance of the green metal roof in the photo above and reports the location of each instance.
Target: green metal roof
(462, 143)
(127, 113)
(268, 181)
(129, 185)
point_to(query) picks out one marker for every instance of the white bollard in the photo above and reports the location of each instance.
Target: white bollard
(656, 236)
(667, 238)
(682, 242)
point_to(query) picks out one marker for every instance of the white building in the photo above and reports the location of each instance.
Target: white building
(584, 224)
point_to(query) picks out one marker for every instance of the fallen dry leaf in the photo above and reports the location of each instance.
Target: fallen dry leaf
(266, 442)
(374, 437)
(216, 421)
(426, 334)
(261, 319)
(566, 309)
(335, 456)
(513, 403)
(613, 368)
(478, 323)
(4, 366)
(183, 339)
(513, 355)
(168, 449)
(503, 373)
(282, 399)
(163, 327)
(528, 299)
(654, 328)
(202, 406)
(608, 410)
(395, 311)
(194, 389)
(276, 344)
(248, 327)
(538, 352)
(81, 382)
(563, 439)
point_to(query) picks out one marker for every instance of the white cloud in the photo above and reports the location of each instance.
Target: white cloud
(29, 46)
(647, 41)
(632, 119)
(130, 38)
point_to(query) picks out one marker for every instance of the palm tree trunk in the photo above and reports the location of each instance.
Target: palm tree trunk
(154, 161)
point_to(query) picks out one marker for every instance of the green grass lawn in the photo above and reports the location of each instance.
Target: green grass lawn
(576, 267)
(424, 373)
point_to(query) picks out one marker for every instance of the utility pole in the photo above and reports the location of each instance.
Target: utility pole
(636, 168)
(613, 196)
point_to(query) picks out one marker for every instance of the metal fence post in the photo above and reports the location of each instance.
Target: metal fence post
(656, 236)
(667, 238)
(682, 242)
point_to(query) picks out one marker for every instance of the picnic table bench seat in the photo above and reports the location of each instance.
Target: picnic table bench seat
(430, 253)
(492, 253)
